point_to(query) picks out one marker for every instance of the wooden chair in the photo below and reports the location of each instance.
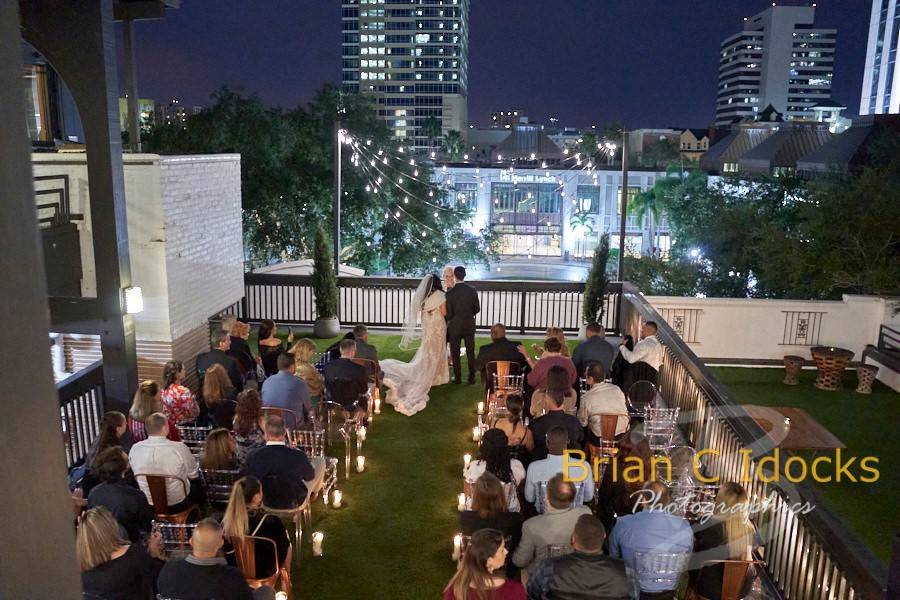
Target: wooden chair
(160, 496)
(245, 557)
(734, 578)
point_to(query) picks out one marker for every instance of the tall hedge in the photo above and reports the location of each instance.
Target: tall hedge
(323, 279)
(595, 286)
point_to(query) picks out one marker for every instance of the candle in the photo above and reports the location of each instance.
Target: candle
(317, 538)
(281, 596)
(467, 458)
(337, 497)
(481, 408)
(457, 547)
(377, 406)
(787, 421)
(325, 497)
(476, 434)
(360, 464)
(361, 434)
(461, 502)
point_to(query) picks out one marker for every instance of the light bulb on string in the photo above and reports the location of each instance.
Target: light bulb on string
(384, 160)
(435, 214)
(412, 162)
(397, 214)
(406, 200)
(372, 162)
(400, 149)
(399, 180)
(380, 152)
(433, 155)
(416, 173)
(368, 142)
(431, 193)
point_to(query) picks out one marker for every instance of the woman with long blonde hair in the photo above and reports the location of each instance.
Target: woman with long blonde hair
(219, 451)
(303, 352)
(727, 535)
(480, 572)
(219, 396)
(111, 568)
(244, 517)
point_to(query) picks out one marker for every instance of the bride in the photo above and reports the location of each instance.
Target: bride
(409, 383)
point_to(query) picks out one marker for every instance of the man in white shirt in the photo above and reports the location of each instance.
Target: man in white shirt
(540, 471)
(647, 355)
(158, 455)
(601, 397)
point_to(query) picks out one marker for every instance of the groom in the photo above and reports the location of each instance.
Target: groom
(462, 306)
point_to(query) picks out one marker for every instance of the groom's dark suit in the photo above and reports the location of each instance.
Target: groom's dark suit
(462, 306)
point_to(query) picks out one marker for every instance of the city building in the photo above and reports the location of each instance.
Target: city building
(146, 111)
(881, 81)
(554, 212)
(829, 111)
(640, 140)
(173, 113)
(694, 142)
(851, 150)
(412, 59)
(779, 58)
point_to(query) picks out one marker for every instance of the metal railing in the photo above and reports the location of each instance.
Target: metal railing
(811, 556)
(523, 306)
(889, 341)
(81, 407)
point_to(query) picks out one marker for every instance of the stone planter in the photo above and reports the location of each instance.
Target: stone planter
(326, 328)
(792, 366)
(866, 375)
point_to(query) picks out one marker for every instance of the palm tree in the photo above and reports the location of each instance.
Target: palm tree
(648, 202)
(453, 144)
(431, 128)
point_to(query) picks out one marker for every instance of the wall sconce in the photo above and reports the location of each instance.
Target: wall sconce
(134, 300)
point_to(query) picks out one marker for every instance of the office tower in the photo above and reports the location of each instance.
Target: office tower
(779, 58)
(881, 82)
(412, 59)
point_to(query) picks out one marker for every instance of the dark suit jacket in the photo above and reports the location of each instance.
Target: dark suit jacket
(462, 306)
(282, 471)
(344, 369)
(216, 356)
(595, 349)
(502, 349)
(127, 504)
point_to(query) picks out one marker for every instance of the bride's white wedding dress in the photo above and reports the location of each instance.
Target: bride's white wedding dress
(408, 384)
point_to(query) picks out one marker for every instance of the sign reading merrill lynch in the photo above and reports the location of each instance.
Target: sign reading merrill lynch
(516, 178)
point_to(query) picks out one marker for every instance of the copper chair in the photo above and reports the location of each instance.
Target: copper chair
(160, 496)
(734, 578)
(245, 557)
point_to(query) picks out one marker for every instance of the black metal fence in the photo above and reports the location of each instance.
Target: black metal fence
(81, 407)
(889, 341)
(523, 306)
(810, 556)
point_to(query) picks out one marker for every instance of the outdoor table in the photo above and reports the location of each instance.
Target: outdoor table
(830, 362)
(803, 433)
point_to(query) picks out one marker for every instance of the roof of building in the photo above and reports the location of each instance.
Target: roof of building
(523, 141)
(849, 148)
(785, 147)
(828, 103)
(733, 146)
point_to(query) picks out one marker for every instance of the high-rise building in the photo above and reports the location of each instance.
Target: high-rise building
(174, 113)
(881, 82)
(779, 58)
(412, 59)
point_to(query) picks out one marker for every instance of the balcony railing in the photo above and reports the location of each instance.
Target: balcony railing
(81, 407)
(809, 556)
(523, 306)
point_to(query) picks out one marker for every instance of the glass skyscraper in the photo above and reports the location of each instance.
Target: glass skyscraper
(881, 81)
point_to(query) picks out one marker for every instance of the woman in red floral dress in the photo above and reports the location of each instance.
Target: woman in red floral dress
(178, 401)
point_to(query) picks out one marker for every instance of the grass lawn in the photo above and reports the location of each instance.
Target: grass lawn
(867, 425)
(393, 537)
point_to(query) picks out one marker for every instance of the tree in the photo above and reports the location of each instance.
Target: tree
(648, 203)
(453, 144)
(597, 280)
(431, 128)
(324, 282)
(659, 155)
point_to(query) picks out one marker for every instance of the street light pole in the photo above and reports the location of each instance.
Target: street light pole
(337, 196)
(624, 201)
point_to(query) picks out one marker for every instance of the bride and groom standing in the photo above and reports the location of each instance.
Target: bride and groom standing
(445, 318)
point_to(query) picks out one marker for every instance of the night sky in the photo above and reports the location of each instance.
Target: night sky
(647, 63)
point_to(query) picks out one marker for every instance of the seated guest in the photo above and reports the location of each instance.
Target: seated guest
(490, 511)
(111, 568)
(620, 373)
(647, 356)
(557, 379)
(555, 417)
(333, 352)
(364, 349)
(518, 435)
(618, 489)
(554, 527)
(727, 535)
(601, 397)
(541, 471)
(113, 432)
(557, 333)
(495, 459)
(283, 390)
(178, 401)
(204, 574)
(303, 352)
(499, 349)
(594, 348)
(221, 344)
(147, 401)
(245, 517)
(552, 357)
(270, 346)
(126, 503)
(479, 576)
(219, 451)
(160, 456)
(248, 435)
(282, 470)
(585, 573)
(653, 530)
(219, 396)
(346, 381)
(239, 349)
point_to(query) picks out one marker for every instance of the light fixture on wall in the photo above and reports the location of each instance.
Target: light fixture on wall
(134, 300)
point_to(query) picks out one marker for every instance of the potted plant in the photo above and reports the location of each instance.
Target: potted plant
(595, 286)
(325, 289)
